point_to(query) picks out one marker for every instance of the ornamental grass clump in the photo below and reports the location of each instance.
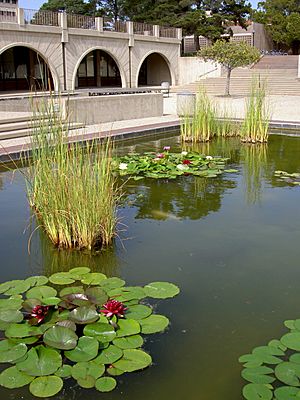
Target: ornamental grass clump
(71, 188)
(255, 126)
(76, 325)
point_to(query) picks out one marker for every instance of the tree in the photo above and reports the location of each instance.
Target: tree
(70, 6)
(282, 20)
(230, 55)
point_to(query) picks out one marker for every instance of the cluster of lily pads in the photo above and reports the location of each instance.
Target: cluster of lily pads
(293, 178)
(274, 370)
(75, 324)
(170, 165)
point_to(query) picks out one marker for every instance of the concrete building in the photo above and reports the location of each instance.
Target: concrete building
(43, 49)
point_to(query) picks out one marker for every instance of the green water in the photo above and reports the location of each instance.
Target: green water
(230, 243)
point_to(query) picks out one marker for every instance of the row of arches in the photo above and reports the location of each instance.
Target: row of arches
(22, 68)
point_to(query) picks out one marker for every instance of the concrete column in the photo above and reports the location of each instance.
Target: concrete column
(179, 33)
(97, 66)
(130, 32)
(63, 21)
(99, 24)
(20, 16)
(156, 31)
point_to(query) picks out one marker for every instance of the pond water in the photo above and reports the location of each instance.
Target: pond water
(231, 243)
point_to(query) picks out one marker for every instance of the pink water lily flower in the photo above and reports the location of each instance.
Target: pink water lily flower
(160, 155)
(167, 148)
(39, 313)
(113, 307)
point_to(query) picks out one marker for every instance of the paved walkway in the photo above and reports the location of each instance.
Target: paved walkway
(285, 112)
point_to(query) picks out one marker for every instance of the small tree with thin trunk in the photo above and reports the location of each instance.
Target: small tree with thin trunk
(230, 55)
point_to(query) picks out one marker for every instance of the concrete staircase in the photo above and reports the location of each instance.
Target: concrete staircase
(279, 72)
(11, 128)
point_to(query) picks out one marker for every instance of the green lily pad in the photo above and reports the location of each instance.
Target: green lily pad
(101, 331)
(87, 383)
(138, 312)
(93, 278)
(112, 370)
(40, 361)
(128, 327)
(10, 351)
(295, 358)
(22, 330)
(46, 386)
(161, 290)
(67, 324)
(133, 360)
(258, 375)
(37, 280)
(61, 278)
(19, 288)
(86, 349)
(82, 370)
(65, 371)
(12, 378)
(112, 283)
(127, 293)
(287, 393)
(84, 315)
(11, 315)
(291, 340)
(96, 295)
(267, 354)
(51, 301)
(61, 338)
(105, 384)
(256, 391)
(109, 355)
(79, 271)
(11, 303)
(41, 292)
(129, 342)
(71, 290)
(154, 323)
(288, 373)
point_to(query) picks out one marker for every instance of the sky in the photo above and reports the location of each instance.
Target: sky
(35, 4)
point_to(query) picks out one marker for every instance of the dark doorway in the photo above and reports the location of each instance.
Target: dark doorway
(154, 71)
(23, 69)
(98, 69)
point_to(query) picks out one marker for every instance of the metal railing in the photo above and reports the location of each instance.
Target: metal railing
(114, 26)
(8, 15)
(140, 28)
(167, 32)
(81, 21)
(41, 17)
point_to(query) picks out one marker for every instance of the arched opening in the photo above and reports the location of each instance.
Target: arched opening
(98, 69)
(22, 68)
(154, 71)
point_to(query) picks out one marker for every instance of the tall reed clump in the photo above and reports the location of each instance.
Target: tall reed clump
(201, 125)
(71, 188)
(256, 123)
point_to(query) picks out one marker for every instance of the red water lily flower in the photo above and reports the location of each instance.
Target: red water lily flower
(39, 313)
(113, 307)
(160, 155)
(186, 162)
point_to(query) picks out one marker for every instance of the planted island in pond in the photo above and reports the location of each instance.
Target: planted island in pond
(273, 371)
(78, 325)
(170, 165)
(292, 178)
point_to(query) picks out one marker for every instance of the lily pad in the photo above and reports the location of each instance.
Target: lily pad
(154, 323)
(79, 271)
(37, 280)
(138, 312)
(65, 371)
(161, 290)
(105, 384)
(61, 278)
(84, 315)
(288, 373)
(86, 349)
(287, 393)
(41, 292)
(82, 370)
(60, 337)
(101, 331)
(256, 391)
(11, 303)
(127, 293)
(109, 355)
(22, 330)
(258, 375)
(291, 340)
(129, 342)
(46, 386)
(19, 288)
(96, 295)
(12, 378)
(71, 290)
(93, 278)
(128, 327)
(40, 361)
(10, 351)
(133, 360)
(11, 315)
(112, 283)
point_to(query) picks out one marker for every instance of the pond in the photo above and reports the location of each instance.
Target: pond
(230, 243)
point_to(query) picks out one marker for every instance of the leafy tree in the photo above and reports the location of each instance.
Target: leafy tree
(282, 20)
(70, 6)
(230, 55)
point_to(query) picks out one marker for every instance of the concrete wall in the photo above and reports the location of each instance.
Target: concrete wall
(157, 70)
(128, 50)
(97, 110)
(192, 69)
(262, 39)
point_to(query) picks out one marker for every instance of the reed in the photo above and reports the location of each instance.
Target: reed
(256, 123)
(71, 188)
